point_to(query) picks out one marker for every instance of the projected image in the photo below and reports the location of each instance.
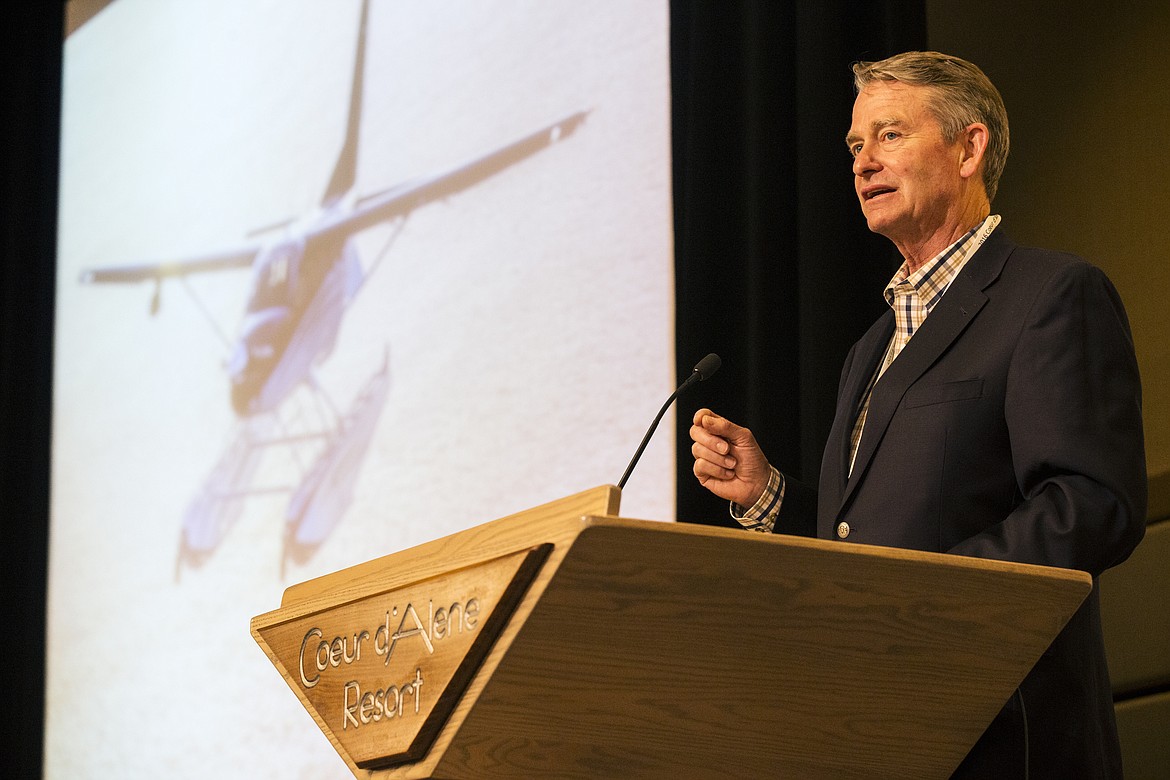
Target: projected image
(334, 278)
(302, 281)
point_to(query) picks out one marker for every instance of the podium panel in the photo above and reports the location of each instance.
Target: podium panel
(660, 650)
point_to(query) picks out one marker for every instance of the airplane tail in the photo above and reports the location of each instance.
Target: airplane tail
(345, 169)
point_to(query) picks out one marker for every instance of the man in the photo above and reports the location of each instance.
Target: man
(995, 411)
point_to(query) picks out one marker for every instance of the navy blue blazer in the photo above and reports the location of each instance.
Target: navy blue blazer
(1009, 428)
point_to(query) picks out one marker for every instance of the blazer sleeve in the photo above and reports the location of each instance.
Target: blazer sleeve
(798, 510)
(1073, 410)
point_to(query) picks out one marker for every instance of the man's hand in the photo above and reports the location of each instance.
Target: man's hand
(728, 461)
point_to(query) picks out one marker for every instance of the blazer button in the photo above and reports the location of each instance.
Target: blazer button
(842, 529)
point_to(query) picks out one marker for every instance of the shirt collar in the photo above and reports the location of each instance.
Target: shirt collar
(933, 278)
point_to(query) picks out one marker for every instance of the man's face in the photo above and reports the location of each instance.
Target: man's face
(905, 174)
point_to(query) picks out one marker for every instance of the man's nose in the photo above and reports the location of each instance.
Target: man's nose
(864, 162)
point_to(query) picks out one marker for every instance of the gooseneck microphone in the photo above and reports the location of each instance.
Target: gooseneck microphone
(704, 369)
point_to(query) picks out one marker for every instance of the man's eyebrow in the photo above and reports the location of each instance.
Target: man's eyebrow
(875, 125)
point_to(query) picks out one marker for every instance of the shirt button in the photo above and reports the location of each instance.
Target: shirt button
(842, 529)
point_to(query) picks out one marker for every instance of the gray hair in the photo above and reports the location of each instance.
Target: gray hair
(960, 95)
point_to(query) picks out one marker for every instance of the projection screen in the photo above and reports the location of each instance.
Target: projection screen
(334, 278)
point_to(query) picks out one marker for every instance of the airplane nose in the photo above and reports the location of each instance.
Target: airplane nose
(244, 387)
(263, 337)
(237, 361)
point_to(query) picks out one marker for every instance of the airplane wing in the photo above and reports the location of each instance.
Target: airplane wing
(238, 257)
(369, 211)
(407, 196)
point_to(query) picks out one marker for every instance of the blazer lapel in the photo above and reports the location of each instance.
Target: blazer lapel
(866, 355)
(958, 307)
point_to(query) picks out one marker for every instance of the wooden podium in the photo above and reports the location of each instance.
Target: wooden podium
(568, 642)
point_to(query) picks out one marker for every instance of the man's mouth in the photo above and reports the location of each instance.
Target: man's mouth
(869, 193)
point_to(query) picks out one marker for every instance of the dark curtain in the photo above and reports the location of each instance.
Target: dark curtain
(30, 76)
(775, 269)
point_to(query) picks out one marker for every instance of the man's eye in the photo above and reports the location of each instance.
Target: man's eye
(889, 135)
(855, 149)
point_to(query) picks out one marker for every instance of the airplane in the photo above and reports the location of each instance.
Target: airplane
(301, 285)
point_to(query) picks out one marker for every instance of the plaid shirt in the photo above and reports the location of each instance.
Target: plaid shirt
(912, 296)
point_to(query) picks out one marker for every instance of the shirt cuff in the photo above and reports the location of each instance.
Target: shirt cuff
(761, 516)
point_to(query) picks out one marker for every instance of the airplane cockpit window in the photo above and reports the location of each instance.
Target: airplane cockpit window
(274, 280)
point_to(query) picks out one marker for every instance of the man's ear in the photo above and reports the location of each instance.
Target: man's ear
(973, 141)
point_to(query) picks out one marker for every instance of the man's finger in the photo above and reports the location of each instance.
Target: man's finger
(701, 452)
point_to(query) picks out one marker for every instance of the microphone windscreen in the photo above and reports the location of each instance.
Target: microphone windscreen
(707, 367)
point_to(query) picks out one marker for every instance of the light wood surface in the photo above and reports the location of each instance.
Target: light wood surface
(648, 649)
(556, 523)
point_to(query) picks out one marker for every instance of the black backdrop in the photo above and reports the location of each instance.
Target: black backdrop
(775, 270)
(30, 77)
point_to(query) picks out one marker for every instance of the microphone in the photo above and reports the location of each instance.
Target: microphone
(704, 369)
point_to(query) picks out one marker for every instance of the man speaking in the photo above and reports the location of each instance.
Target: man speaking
(994, 411)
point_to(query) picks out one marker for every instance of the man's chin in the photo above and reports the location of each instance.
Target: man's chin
(877, 223)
